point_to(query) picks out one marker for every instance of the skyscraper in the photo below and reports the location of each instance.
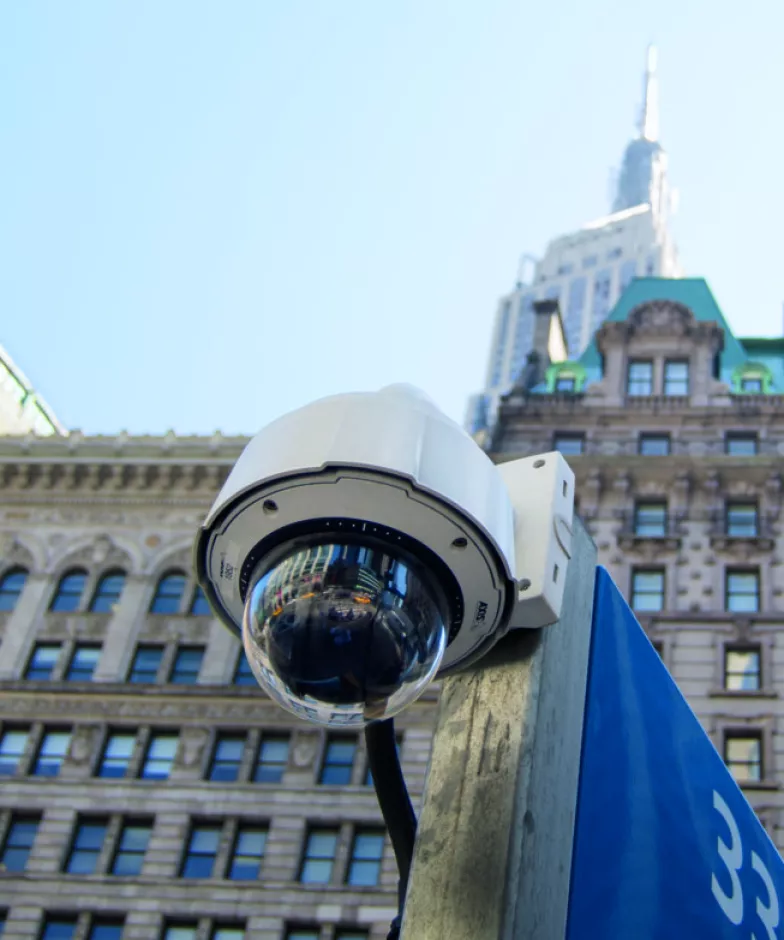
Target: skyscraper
(586, 271)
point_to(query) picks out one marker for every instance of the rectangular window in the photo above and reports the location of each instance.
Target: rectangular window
(51, 753)
(741, 444)
(83, 662)
(243, 674)
(272, 760)
(751, 386)
(338, 761)
(570, 445)
(648, 590)
(202, 848)
(742, 671)
(743, 591)
(676, 378)
(227, 933)
(18, 842)
(146, 664)
(42, 662)
(248, 853)
(650, 519)
(351, 933)
(132, 845)
(187, 665)
(227, 757)
(160, 756)
(742, 520)
(57, 927)
(654, 445)
(640, 379)
(117, 754)
(12, 747)
(564, 384)
(106, 929)
(319, 856)
(365, 863)
(303, 933)
(743, 756)
(86, 846)
(181, 931)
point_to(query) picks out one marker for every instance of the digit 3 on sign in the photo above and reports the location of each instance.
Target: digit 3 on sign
(732, 858)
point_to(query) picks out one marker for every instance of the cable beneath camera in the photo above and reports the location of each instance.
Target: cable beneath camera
(395, 804)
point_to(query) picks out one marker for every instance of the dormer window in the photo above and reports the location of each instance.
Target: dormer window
(676, 378)
(753, 386)
(640, 380)
(752, 378)
(565, 383)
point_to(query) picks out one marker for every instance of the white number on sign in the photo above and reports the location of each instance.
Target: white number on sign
(732, 856)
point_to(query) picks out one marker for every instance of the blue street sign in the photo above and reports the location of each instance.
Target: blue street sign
(666, 845)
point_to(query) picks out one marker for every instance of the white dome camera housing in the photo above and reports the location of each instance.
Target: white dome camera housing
(364, 544)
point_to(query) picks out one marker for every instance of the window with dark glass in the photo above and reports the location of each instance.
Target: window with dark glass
(160, 756)
(570, 445)
(654, 445)
(42, 661)
(51, 753)
(364, 866)
(565, 383)
(741, 444)
(146, 664)
(187, 664)
(168, 593)
(227, 757)
(319, 856)
(11, 587)
(131, 848)
(12, 747)
(106, 928)
(199, 859)
(338, 763)
(647, 590)
(650, 519)
(107, 593)
(303, 933)
(86, 846)
(199, 605)
(743, 756)
(742, 519)
(83, 662)
(742, 591)
(742, 672)
(117, 754)
(243, 674)
(248, 853)
(640, 378)
(272, 760)
(68, 595)
(752, 386)
(59, 927)
(18, 842)
(676, 378)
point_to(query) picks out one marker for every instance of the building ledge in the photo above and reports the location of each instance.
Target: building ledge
(764, 693)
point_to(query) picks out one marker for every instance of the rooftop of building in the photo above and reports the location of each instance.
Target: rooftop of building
(22, 409)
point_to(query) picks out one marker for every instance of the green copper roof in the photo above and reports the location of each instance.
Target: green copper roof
(695, 294)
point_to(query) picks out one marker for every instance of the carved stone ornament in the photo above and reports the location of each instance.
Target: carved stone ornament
(661, 317)
(305, 747)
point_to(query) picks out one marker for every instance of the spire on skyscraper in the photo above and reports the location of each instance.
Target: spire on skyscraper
(649, 120)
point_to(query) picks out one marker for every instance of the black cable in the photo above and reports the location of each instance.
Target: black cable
(395, 804)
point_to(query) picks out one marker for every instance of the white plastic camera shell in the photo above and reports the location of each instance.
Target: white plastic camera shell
(392, 459)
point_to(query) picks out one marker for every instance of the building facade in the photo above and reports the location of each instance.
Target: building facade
(587, 271)
(675, 431)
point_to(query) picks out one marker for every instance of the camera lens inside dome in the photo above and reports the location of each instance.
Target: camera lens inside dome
(343, 633)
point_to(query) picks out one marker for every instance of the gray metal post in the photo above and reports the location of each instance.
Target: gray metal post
(494, 846)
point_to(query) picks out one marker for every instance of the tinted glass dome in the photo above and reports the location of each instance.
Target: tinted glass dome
(343, 633)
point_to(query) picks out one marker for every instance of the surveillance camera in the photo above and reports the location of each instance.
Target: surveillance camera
(364, 544)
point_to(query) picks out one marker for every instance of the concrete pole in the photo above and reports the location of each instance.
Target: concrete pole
(494, 846)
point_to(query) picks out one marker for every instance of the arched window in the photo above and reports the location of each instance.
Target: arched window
(199, 606)
(70, 588)
(752, 378)
(11, 587)
(565, 378)
(168, 593)
(108, 592)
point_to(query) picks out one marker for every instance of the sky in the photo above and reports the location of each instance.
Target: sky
(212, 213)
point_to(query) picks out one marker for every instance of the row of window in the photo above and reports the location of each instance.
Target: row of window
(657, 444)
(221, 849)
(675, 381)
(100, 927)
(146, 667)
(169, 598)
(741, 590)
(741, 518)
(228, 764)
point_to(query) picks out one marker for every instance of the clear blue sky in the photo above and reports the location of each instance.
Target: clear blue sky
(214, 212)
